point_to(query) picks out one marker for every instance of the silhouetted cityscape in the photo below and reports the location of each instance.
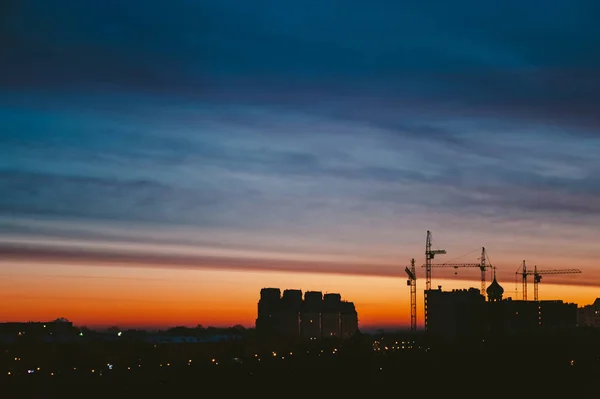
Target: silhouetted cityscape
(463, 315)
(317, 337)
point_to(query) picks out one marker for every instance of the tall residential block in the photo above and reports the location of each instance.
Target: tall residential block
(314, 316)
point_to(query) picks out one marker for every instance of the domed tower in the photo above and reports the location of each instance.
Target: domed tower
(495, 290)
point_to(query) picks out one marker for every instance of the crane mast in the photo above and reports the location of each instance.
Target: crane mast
(536, 279)
(412, 282)
(483, 265)
(524, 280)
(429, 256)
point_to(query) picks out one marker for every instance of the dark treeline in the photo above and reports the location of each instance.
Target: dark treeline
(198, 331)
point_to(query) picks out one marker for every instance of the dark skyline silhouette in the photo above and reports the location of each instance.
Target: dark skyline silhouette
(121, 363)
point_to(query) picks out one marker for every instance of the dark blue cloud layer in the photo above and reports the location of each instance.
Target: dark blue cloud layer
(529, 60)
(250, 114)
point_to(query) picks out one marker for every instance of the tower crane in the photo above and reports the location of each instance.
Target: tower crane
(483, 265)
(412, 282)
(429, 255)
(537, 277)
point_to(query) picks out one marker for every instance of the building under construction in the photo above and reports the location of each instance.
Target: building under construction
(313, 317)
(465, 314)
(461, 316)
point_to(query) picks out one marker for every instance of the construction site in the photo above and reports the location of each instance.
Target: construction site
(463, 315)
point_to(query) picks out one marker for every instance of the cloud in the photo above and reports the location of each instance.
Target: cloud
(144, 259)
(46, 194)
(326, 120)
(246, 166)
(78, 256)
(82, 276)
(542, 66)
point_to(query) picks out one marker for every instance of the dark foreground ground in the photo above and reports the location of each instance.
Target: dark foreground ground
(344, 380)
(334, 369)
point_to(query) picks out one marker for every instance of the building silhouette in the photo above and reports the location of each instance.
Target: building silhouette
(461, 316)
(315, 316)
(331, 316)
(291, 309)
(310, 318)
(589, 315)
(455, 316)
(269, 309)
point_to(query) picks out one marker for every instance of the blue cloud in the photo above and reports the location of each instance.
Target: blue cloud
(266, 113)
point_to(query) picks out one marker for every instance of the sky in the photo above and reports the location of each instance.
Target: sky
(161, 162)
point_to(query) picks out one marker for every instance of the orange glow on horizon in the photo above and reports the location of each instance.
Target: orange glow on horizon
(158, 298)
